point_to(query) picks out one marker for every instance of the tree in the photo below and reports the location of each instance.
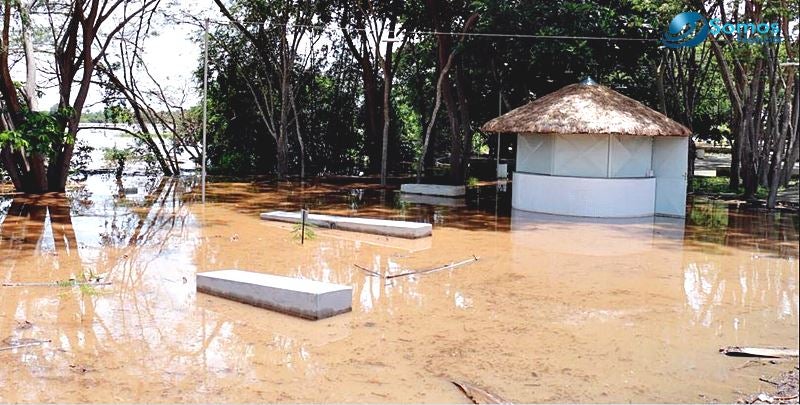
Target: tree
(378, 25)
(37, 147)
(440, 83)
(166, 127)
(763, 94)
(277, 47)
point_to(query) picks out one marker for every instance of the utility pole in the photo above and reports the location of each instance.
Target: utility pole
(205, 105)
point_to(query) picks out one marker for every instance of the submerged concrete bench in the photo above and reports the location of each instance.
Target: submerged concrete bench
(434, 189)
(293, 296)
(400, 229)
(432, 200)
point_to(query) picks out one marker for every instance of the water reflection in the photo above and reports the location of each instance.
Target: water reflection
(144, 240)
(758, 278)
(618, 296)
(593, 236)
(764, 232)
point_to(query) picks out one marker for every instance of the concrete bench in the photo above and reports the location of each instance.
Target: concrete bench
(434, 189)
(400, 229)
(293, 296)
(432, 200)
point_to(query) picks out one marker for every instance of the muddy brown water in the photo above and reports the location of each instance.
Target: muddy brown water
(556, 310)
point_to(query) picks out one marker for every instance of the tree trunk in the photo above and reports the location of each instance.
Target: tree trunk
(460, 173)
(388, 77)
(299, 137)
(372, 107)
(734, 181)
(457, 108)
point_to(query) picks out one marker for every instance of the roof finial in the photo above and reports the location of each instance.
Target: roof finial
(588, 81)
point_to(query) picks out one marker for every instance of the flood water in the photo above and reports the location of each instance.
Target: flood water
(555, 310)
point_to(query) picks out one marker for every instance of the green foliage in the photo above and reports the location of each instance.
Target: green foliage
(298, 231)
(711, 218)
(93, 117)
(85, 283)
(111, 114)
(232, 162)
(81, 159)
(330, 91)
(38, 131)
(117, 114)
(118, 157)
(719, 185)
(115, 155)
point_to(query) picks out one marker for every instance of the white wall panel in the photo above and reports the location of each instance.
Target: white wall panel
(581, 155)
(670, 161)
(534, 153)
(630, 156)
(585, 197)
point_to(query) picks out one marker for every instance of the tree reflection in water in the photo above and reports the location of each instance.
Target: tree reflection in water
(715, 278)
(96, 229)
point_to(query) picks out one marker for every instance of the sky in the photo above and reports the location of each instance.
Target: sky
(171, 55)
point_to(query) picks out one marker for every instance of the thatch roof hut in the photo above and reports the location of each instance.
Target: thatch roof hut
(586, 108)
(588, 150)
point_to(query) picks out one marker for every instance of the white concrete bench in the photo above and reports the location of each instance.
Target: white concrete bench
(432, 200)
(400, 229)
(293, 296)
(434, 189)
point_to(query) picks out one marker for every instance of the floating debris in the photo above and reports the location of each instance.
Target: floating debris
(416, 272)
(479, 395)
(758, 352)
(785, 391)
(68, 283)
(23, 343)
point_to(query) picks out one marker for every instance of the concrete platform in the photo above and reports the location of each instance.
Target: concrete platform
(303, 298)
(705, 173)
(400, 229)
(433, 200)
(434, 189)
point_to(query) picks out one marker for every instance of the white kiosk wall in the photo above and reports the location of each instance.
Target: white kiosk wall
(535, 153)
(580, 155)
(630, 156)
(603, 156)
(670, 165)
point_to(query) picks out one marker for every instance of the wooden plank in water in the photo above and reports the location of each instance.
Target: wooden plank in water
(293, 296)
(400, 229)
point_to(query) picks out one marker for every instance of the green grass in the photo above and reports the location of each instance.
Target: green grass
(83, 282)
(719, 185)
(297, 231)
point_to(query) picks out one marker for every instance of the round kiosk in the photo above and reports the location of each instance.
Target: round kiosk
(587, 150)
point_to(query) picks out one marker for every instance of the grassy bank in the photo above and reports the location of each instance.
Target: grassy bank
(719, 186)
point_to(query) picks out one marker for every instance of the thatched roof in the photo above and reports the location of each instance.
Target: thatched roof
(586, 108)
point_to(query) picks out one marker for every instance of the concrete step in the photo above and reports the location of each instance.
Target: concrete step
(400, 229)
(293, 296)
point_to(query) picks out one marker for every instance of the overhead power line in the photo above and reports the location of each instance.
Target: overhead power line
(469, 34)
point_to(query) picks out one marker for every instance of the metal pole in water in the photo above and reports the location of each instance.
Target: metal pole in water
(499, 113)
(205, 105)
(303, 216)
